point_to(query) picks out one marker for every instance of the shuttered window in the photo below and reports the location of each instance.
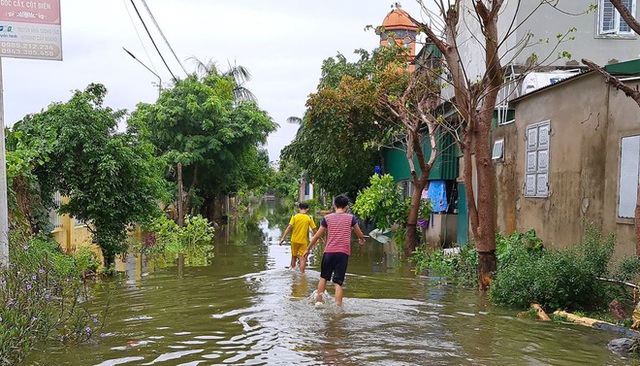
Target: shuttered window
(629, 176)
(537, 160)
(609, 20)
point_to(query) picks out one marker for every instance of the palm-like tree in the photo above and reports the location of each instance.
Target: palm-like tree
(296, 121)
(239, 73)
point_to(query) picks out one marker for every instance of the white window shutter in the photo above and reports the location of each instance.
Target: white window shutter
(530, 185)
(542, 186)
(537, 160)
(532, 138)
(629, 171)
(532, 162)
(543, 161)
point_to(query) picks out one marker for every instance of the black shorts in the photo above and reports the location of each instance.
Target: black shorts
(335, 263)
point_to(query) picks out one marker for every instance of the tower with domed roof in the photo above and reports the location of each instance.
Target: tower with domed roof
(397, 27)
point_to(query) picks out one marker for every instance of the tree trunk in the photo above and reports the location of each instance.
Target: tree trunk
(411, 232)
(192, 189)
(486, 230)
(180, 197)
(482, 214)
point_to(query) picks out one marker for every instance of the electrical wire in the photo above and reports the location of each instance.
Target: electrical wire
(139, 37)
(152, 41)
(144, 2)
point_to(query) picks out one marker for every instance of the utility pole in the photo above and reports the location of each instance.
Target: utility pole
(4, 210)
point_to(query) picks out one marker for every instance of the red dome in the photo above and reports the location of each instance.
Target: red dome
(398, 19)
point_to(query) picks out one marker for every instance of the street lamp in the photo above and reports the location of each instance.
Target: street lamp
(147, 67)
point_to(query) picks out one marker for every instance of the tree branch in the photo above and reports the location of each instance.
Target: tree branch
(629, 91)
(626, 15)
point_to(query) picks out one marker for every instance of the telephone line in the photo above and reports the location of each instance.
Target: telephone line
(144, 2)
(135, 27)
(152, 41)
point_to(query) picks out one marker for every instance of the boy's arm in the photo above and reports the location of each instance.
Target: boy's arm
(315, 238)
(314, 231)
(356, 228)
(286, 232)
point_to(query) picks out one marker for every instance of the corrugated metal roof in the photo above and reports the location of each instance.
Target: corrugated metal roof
(631, 67)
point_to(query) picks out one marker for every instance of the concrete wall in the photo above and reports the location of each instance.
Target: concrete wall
(548, 22)
(624, 120)
(577, 111)
(544, 23)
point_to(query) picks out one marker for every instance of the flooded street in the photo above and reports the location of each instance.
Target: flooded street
(243, 307)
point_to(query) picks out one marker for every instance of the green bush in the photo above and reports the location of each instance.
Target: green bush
(460, 267)
(166, 237)
(40, 298)
(382, 202)
(627, 269)
(563, 279)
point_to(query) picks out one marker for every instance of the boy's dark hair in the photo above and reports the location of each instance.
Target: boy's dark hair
(341, 201)
(303, 206)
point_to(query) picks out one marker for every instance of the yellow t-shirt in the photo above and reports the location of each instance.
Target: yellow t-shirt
(301, 224)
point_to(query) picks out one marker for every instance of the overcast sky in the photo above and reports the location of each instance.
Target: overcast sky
(282, 43)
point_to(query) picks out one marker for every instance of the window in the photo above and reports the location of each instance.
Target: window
(609, 20)
(407, 42)
(629, 173)
(54, 217)
(498, 150)
(407, 188)
(537, 160)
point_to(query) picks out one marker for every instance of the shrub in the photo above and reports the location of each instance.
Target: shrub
(461, 267)
(165, 236)
(40, 298)
(627, 269)
(555, 279)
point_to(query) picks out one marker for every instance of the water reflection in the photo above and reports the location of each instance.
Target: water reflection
(245, 308)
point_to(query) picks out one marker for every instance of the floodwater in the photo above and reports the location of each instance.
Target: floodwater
(243, 307)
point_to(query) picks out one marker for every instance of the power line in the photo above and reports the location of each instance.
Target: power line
(138, 34)
(152, 41)
(163, 37)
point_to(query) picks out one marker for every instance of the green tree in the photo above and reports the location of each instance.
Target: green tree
(200, 124)
(476, 93)
(112, 179)
(413, 104)
(284, 182)
(342, 127)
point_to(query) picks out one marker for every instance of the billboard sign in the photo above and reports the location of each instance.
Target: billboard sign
(30, 29)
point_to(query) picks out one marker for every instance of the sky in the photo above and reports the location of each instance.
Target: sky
(282, 43)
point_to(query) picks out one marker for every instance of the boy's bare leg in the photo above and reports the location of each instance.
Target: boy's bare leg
(303, 264)
(293, 262)
(322, 285)
(338, 294)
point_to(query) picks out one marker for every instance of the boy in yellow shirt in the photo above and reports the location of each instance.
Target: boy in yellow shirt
(300, 223)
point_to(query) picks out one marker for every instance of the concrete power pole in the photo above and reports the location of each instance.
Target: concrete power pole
(4, 210)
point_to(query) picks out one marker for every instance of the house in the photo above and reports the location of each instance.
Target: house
(570, 156)
(70, 233)
(600, 34)
(443, 225)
